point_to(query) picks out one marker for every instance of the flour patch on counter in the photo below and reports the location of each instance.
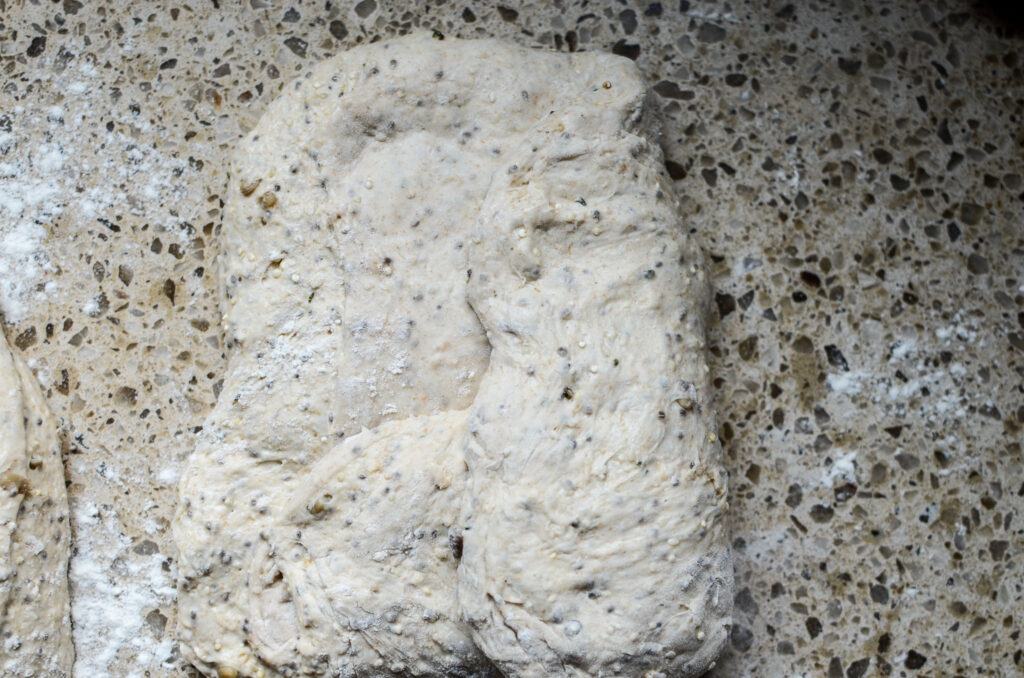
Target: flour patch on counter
(113, 590)
(45, 186)
(846, 383)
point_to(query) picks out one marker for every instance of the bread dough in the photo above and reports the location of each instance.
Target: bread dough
(387, 484)
(35, 624)
(592, 437)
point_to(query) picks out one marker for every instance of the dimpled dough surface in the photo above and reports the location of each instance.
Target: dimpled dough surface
(466, 423)
(35, 626)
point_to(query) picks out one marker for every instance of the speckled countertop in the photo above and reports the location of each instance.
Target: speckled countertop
(854, 171)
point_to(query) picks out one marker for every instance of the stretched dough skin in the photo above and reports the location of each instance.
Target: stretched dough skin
(465, 428)
(35, 623)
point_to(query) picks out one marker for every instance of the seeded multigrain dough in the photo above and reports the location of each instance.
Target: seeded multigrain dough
(465, 423)
(591, 439)
(35, 625)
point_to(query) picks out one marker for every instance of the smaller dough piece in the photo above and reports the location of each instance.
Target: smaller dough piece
(35, 623)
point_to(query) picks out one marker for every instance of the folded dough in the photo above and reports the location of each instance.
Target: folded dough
(388, 484)
(35, 625)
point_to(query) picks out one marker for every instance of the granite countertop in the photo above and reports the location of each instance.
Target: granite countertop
(854, 171)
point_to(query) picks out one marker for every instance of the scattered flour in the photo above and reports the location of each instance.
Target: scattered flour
(846, 383)
(903, 349)
(27, 200)
(168, 475)
(45, 184)
(113, 589)
(843, 470)
(91, 307)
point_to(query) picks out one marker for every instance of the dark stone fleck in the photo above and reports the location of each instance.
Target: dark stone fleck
(507, 13)
(997, 548)
(170, 63)
(795, 496)
(835, 668)
(787, 12)
(836, 357)
(898, 182)
(970, 213)
(291, 16)
(915, 660)
(858, 668)
(813, 625)
(338, 30)
(146, 547)
(157, 622)
(627, 18)
(468, 16)
(849, 66)
(810, 279)
(977, 264)
(745, 602)
(297, 46)
(907, 461)
(675, 170)
(879, 594)
(741, 638)
(26, 338)
(803, 344)
(365, 8)
(169, 289)
(222, 70)
(37, 46)
(622, 48)
(710, 176)
(820, 513)
(845, 492)
(735, 79)
(670, 90)
(943, 132)
(726, 304)
(882, 156)
(709, 32)
(925, 37)
(653, 9)
(748, 348)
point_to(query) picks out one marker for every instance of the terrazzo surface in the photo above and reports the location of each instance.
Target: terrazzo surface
(853, 170)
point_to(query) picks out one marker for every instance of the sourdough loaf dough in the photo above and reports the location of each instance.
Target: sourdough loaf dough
(465, 424)
(35, 625)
